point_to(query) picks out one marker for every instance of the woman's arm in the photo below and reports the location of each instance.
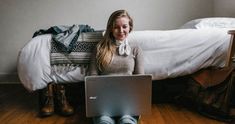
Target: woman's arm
(139, 61)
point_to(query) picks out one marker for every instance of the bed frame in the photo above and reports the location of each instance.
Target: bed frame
(231, 51)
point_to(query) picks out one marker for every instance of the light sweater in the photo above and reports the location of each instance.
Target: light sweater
(121, 65)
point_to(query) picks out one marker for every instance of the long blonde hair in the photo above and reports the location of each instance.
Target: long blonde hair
(106, 47)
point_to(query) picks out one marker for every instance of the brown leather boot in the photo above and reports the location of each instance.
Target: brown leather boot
(63, 105)
(46, 101)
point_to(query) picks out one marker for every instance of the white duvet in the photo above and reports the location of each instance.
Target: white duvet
(167, 54)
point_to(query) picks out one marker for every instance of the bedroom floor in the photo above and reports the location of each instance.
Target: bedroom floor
(18, 106)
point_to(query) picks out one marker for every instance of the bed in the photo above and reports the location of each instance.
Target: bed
(201, 49)
(198, 44)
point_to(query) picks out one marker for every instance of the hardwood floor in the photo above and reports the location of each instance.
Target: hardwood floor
(18, 106)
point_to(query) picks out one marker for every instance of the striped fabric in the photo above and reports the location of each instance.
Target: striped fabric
(81, 52)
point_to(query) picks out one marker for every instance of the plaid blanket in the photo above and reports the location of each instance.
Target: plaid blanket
(81, 51)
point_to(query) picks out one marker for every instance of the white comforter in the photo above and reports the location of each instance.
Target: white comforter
(167, 54)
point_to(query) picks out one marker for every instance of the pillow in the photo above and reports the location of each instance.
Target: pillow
(191, 24)
(213, 22)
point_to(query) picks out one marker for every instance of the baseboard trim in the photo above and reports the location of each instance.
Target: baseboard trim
(9, 79)
(10, 83)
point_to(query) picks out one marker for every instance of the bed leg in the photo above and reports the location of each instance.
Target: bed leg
(231, 50)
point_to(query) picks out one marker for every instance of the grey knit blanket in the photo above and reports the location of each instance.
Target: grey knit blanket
(81, 52)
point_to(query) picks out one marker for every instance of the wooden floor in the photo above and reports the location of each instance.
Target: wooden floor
(17, 106)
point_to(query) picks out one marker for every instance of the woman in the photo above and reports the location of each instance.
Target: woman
(114, 55)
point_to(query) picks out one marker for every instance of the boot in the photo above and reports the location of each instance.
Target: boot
(63, 105)
(46, 101)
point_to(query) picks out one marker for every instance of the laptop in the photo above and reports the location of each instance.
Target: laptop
(118, 95)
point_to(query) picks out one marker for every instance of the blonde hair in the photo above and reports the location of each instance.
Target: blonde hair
(106, 47)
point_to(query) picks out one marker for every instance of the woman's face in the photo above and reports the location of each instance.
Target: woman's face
(121, 28)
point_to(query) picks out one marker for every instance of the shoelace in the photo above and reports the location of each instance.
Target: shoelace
(127, 119)
(104, 120)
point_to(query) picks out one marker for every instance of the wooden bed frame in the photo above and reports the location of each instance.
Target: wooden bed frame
(231, 50)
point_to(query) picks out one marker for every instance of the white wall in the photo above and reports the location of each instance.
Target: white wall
(224, 8)
(21, 18)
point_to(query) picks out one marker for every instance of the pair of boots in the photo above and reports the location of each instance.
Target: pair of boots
(53, 98)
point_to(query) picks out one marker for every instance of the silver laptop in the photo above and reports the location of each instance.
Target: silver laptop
(118, 95)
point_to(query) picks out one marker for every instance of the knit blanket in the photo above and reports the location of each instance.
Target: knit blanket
(81, 52)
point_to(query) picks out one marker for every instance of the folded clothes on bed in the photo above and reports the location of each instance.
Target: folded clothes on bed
(65, 37)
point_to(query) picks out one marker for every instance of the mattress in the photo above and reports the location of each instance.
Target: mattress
(167, 54)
